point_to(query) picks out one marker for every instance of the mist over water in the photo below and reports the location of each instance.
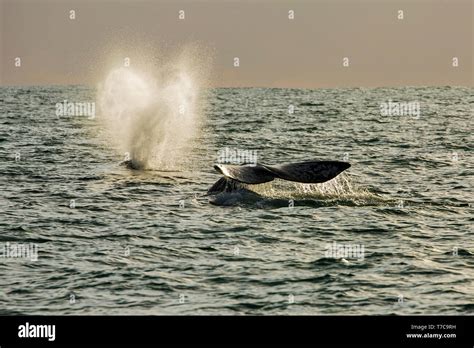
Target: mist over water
(151, 115)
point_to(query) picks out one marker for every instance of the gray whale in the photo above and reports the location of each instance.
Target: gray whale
(236, 182)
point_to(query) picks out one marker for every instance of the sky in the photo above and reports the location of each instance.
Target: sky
(431, 45)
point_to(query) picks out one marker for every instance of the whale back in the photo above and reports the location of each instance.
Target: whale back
(225, 184)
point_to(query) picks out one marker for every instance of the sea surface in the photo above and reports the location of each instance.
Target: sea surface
(111, 240)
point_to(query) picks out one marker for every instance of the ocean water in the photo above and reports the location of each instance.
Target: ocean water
(149, 241)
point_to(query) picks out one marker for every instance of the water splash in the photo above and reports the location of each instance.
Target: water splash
(341, 189)
(152, 116)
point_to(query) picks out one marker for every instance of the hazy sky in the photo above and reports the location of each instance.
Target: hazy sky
(273, 50)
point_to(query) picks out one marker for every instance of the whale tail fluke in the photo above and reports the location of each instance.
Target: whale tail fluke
(309, 172)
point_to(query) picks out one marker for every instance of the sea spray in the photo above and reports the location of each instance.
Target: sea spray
(152, 116)
(341, 188)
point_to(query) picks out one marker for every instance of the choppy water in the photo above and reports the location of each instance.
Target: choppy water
(129, 248)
